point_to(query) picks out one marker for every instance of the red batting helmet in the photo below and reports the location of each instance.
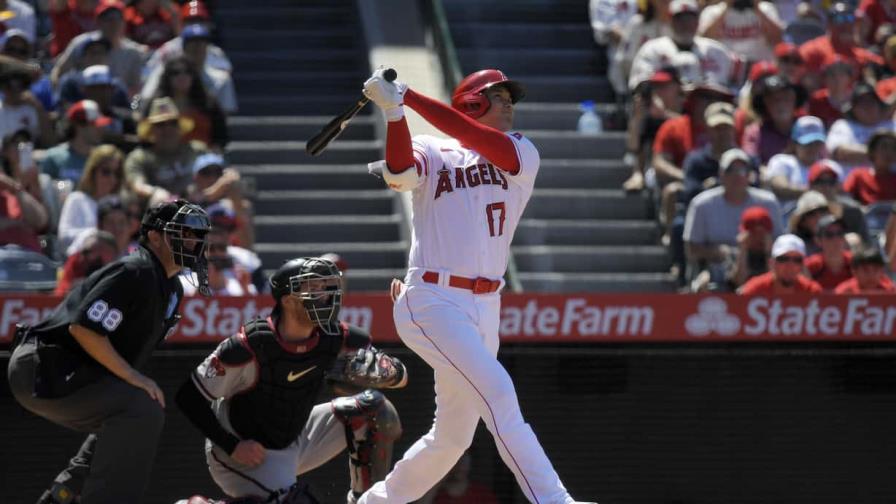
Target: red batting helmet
(469, 95)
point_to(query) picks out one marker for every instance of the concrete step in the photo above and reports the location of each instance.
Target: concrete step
(521, 35)
(279, 82)
(585, 232)
(321, 59)
(327, 202)
(339, 152)
(309, 104)
(304, 176)
(567, 88)
(548, 62)
(298, 128)
(294, 16)
(365, 279)
(587, 204)
(571, 145)
(361, 255)
(581, 174)
(517, 12)
(597, 282)
(533, 115)
(317, 228)
(334, 38)
(584, 258)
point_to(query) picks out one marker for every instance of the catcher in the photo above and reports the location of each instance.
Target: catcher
(253, 397)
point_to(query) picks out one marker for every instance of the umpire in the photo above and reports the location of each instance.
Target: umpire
(80, 368)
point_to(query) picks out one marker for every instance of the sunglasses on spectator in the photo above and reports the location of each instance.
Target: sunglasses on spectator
(740, 170)
(843, 18)
(212, 171)
(792, 60)
(833, 233)
(225, 262)
(828, 181)
(174, 72)
(168, 124)
(108, 172)
(789, 259)
(217, 247)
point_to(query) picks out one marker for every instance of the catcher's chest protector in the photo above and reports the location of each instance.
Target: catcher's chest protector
(276, 409)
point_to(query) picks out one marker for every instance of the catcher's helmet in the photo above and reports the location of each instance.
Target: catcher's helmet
(469, 96)
(318, 283)
(185, 227)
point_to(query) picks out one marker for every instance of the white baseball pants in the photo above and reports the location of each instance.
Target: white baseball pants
(456, 332)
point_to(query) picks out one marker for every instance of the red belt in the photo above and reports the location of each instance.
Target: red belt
(479, 285)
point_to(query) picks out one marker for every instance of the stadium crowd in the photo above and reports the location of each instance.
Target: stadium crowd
(765, 131)
(107, 108)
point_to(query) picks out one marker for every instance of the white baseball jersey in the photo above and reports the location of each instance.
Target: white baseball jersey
(466, 209)
(717, 64)
(742, 29)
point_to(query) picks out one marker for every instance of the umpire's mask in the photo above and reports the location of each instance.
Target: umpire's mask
(318, 283)
(185, 227)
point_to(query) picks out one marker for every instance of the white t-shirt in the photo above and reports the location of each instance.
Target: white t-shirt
(846, 132)
(742, 29)
(17, 117)
(609, 14)
(717, 64)
(78, 215)
(789, 167)
(465, 210)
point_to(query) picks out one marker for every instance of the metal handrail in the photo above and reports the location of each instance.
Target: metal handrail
(443, 43)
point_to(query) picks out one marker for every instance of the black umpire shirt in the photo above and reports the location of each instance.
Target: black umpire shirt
(130, 301)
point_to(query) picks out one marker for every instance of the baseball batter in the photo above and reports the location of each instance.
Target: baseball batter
(468, 194)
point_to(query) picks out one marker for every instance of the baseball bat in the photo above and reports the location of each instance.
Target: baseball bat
(331, 131)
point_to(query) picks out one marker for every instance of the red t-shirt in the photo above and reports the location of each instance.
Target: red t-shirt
(153, 30)
(676, 138)
(886, 88)
(820, 107)
(765, 284)
(867, 185)
(851, 286)
(819, 53)
(877, 12)
(826, 278)
(68, 23)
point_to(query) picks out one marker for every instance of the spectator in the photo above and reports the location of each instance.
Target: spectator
(103, 176)
(112, 217)
(874, 14)
(100, 86)
(126, 56)
(93, 51)
(713, 217)
(66, 160)
(701, 167)
(848, 137)
(191, 13)
(788, 174)
(18, 46)
(716, 63)
(754, 245)
(183, 83)
(653, 103)
(830, 102)
(608, 21)
(19, 108)
(96, 249)
(196, 38)
(213, 182)
(20, 17)
(749, 28)
(810, 208)
(150, 22)
(789, 62)
(745, 115)
(838, 42)
(886, 87)
(890, 236)
(831, 266)
(225, 277)
(22, 216)
(870, 273)
(824, 177)
(18, 162)
(785, 277)
(653, 21)
(776, 105)
(70, 18)
(162, 167)
(877, 182)
(224, 227)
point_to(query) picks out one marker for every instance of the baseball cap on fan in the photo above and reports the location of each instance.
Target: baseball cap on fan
(97, 75)
(731, 156)
(195, 31)
(808, 129)
(719, 113)
(683, 7)
(87, 112)
(788, 244)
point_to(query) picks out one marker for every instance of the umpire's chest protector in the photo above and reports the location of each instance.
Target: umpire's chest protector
(275, 410)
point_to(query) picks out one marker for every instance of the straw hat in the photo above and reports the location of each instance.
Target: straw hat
(162, 110)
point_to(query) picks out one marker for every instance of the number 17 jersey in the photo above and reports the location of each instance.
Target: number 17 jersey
(466, 209)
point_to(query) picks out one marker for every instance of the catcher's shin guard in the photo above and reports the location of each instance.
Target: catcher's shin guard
(371, 427)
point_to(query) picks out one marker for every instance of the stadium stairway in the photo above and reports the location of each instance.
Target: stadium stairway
(297, 64)
(580, 231)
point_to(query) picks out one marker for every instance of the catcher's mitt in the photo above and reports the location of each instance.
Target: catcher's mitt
(367, 368)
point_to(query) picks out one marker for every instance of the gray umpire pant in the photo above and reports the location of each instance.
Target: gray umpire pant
(114, 463)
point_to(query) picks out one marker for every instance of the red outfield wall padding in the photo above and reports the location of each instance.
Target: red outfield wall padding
(566, 318)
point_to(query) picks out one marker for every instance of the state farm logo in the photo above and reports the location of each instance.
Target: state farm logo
(712, 317)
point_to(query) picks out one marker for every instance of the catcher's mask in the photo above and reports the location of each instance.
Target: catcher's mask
(185, 227)
(317, 283)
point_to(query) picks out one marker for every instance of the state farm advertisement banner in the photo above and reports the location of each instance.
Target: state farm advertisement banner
(566, 318)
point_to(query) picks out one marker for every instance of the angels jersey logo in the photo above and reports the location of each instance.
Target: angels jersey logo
(471, 176)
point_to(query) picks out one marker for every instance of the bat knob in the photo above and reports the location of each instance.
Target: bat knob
(390, 74)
